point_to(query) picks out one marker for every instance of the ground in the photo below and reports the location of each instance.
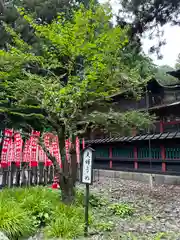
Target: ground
(157, 210)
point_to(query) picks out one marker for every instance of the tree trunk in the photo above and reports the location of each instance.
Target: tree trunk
(68, 181)
(68, 174)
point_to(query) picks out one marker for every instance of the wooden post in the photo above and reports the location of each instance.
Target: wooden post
(110, 157)
(134, 133)
(162, 148)
(163, 158)
(87, 178)
(161, 126)
(135, 158)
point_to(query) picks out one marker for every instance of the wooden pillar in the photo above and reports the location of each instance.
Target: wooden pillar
(163, 158)
(134, 133)
(135, 158)
(162, 148)
(161, 126)
(110, 156)
(83, 143)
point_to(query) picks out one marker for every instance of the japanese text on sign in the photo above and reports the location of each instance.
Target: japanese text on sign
(87, 167)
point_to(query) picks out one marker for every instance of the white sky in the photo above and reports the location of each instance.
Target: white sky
(172, 35)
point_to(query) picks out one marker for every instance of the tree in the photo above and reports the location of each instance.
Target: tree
(145, 15)
(44, 11)
(87, 51)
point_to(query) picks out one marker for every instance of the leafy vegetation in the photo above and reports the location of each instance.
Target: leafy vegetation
(105, 226)
(144, 16)
(15, 221)
(25, 210)
(121, 209)
(72, 79)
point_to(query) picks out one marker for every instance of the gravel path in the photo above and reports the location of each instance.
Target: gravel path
(157, 211)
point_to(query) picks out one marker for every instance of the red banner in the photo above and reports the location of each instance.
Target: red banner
(11, 151)
(47, 144)
(56, 150)
(40, 154)
(18, 144)
(34, 148)
(8, 133)
(67, 149)
(26, 151)
(32, 152)
(77, 150)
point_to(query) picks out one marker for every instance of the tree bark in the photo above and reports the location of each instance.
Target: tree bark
(68, 174)
(67, 183)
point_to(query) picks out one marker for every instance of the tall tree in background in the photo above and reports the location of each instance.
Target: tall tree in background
(44, 11)
(145, 15)
(88, 55)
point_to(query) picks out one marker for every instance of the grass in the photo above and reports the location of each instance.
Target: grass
(23, 211)
(68, 223)
(14, 221)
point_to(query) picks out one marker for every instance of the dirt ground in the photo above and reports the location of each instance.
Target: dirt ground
(157, 210)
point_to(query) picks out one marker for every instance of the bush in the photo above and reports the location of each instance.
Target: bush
(68, 222)
(121, 209)
(14, 221)
(23, 210)
(105, 226)
(41, 202)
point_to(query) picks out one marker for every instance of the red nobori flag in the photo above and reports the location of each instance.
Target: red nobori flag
(34, 148)
(8, 133)
(18, 144)
(77, 150)
(56, 150)
(26, 151)
(41, 155)
(47, 144)
(11, 151)
(67, 145)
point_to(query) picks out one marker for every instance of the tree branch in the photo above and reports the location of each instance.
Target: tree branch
(52, 158)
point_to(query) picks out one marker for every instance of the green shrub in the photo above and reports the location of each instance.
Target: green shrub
(121, 209)
(41, 203)
(27, 207)
(24, 210)
(14, 221)
(161, 235)
(104, 226)
(67, 223)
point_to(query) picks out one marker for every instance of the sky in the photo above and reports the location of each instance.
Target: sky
(172, 35)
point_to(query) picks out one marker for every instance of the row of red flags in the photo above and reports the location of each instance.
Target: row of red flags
(15, 150)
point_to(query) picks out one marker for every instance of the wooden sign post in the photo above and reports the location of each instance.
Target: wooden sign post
(87, 178)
